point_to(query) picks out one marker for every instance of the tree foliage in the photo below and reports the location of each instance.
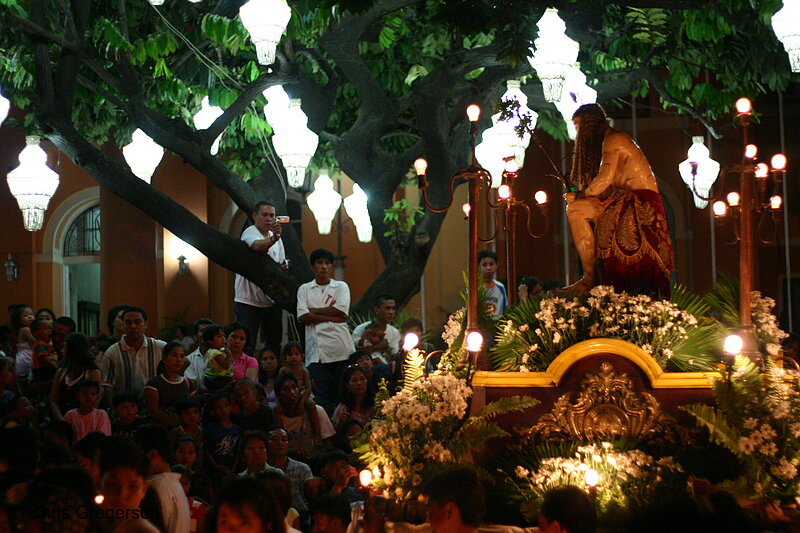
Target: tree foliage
(383, 82)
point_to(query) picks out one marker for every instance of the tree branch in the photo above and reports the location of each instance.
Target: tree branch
(34, 29)
(658, 84)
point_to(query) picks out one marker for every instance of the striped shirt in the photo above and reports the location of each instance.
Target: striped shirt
(126, 369)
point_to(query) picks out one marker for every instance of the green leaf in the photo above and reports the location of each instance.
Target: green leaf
(416, 71)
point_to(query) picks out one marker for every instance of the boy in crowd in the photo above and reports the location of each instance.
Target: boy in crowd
(496, 295)
(323, 305)
(126, 411)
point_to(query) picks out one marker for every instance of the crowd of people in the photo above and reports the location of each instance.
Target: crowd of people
(138, 434)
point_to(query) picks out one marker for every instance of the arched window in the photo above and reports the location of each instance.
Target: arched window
(83, 235)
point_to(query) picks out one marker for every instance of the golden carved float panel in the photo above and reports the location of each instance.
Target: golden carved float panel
(659, 379)
(606, 407)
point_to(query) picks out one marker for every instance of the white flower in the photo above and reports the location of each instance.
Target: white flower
(769, 448)
(781, 410)
(795, 429)
(784, 469)
(750, 423)
(746, 445)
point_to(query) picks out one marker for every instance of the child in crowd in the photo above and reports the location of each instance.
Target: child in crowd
(268, 369)
(162, 391)
(373, 335)
(21, 413)
(220, 437)
(188, 411)
(292, 363)
(126, 410)
(496, 295)
(6, 384)
(187, 455)
(45, 358)
(197, 508)
(21, 319)
(253, 415)
(219, 363)
(124, 469)
(88, 417)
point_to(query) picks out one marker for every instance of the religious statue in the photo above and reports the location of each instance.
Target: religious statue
(615, 212)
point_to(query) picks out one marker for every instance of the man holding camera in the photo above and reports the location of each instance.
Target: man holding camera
(252, 306)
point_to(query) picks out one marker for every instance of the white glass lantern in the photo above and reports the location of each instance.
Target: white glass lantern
(574, 94)
(205, 118)
(294, 143)
(356, 207)
(705, 173)
(324, 202)
(5, 106)
(265, 21)
(143, 155)
(786, 25)
(277, 105)
(553, 54)
(494, 148)
(156, 2)
(32, 183)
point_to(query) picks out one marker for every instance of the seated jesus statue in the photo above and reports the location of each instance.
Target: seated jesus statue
(615, 212)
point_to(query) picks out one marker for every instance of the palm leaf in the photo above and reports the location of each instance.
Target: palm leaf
(724, 299)
(692, 303)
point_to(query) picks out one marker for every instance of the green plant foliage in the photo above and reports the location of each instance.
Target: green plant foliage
(757, 418)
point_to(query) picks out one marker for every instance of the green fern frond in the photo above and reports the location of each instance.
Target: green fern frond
(505, 405)
(718, 428)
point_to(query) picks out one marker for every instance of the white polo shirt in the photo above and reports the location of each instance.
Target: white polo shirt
(326, 342)
(247, 292)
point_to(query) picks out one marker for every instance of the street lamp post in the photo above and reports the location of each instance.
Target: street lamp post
(746, 203)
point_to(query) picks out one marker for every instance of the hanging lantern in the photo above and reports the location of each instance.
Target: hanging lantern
(787, 30)
(324, 202)
(5, 106)
(494, 148)
(277, 105)
(356, 207)
(143, 155)
(574, 94)
(156, 2)
(699, 171)
(294, 143)
(265, 21)
(553, 54)
(204, 118)
(32, 183)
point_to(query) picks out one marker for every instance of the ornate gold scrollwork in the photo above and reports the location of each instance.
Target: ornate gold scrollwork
(607, 407)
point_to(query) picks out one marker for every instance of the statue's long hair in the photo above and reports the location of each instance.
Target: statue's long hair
(588, 145)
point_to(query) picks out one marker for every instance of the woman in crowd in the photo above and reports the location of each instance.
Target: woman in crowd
(47, 314)
(115, 326)
(356, 397)
(294, 416)
(78, 364)
(244, 366)
(268, 368)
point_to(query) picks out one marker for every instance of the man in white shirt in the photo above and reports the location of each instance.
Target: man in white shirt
(153, 439)
(196, 360)
(385, 309)
(252, 306)
(323, 305)
(129, 363)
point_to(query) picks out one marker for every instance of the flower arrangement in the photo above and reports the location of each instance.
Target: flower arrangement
(617, 479)
(425, 426)
(765, 325)
(535, 332)
(758, 419)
